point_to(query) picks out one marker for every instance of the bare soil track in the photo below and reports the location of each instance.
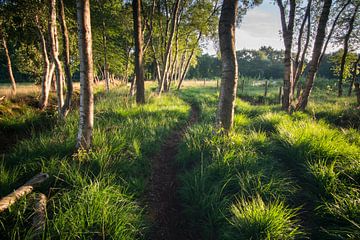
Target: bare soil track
(165, 207)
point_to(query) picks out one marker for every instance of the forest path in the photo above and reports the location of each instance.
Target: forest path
(165, 207)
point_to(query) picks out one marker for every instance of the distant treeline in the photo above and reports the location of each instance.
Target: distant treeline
(265, 63)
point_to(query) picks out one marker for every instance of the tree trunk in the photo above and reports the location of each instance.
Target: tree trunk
(169, 44)
(229, 75)
(24, 190)
(46, 81)
(106, 69)
(55, 54)
(9, 67)
(346, 49)
(66, 55)
(354, 80)
(86, 122)
(332, 29)
(299, 62)
(317, 49)
(287, 30)
(138, 38)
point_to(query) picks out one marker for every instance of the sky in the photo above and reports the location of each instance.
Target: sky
(260, 27)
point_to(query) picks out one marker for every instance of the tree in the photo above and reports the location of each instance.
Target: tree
(54, 42)
(357, 80)
(86, 121)
(229, 74)
(9, 66)
(346, 49)
(138, 38)
(354, 80)
(66, 58)
(316, 54)
(287, 31)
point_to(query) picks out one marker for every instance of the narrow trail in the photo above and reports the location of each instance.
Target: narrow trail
(165, 206)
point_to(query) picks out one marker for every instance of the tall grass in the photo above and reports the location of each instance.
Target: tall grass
(227, 169)
(96, 194)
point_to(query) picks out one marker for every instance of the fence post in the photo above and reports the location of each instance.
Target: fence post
(266, 88)
(242, 85)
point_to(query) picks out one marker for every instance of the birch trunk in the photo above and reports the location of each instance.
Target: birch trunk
(346, 49)
(9, 66)
(106, 69)
(55, 55)
(229, 75)
(169, 44)
(66, 56)
(287, 30)
(138, 38)
(86, 121)
(317, 50)
(355, 81)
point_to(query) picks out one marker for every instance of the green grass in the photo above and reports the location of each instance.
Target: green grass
(253, 183)
(267, 179)
(99, 194)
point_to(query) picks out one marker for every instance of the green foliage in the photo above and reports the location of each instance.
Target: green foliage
(336, 63)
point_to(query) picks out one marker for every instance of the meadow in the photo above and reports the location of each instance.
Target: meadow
(275, 176)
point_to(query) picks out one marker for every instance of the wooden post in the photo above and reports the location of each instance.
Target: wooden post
(217, 83)
(242, 85)
(25, 189)
(280, 94)
(266, 88)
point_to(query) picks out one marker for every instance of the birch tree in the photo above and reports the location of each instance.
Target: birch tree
(86, 121)
(316, 54)
(229, 75)
(287, 32)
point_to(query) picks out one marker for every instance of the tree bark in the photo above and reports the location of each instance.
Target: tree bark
(229, 75)
(138, 38)
(354, 81)
(169, 44)
(317, 49)
(55, 55)
(346, 49)
(86, 121)
(9, 66)
(66, 56)
(299, 62)
(25, 189)
(106, 67)
(287, 30)
(48, 68)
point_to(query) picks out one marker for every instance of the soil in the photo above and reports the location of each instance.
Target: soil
(165, 206)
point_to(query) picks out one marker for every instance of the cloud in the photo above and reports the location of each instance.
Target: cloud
(261, 26)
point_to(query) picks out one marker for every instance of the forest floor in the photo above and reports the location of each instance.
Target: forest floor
(165, 204)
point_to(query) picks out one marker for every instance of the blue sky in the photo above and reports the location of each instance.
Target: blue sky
(261, 26)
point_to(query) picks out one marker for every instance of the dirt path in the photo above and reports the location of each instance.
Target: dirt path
(165, 207)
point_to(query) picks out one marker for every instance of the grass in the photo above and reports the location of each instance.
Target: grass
(99, 194)
(254, 183)
(274, 176)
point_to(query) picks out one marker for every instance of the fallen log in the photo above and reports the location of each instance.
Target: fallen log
(25, 189)
(39, 217)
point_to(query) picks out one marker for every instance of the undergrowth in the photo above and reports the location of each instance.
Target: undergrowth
(96, 194)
